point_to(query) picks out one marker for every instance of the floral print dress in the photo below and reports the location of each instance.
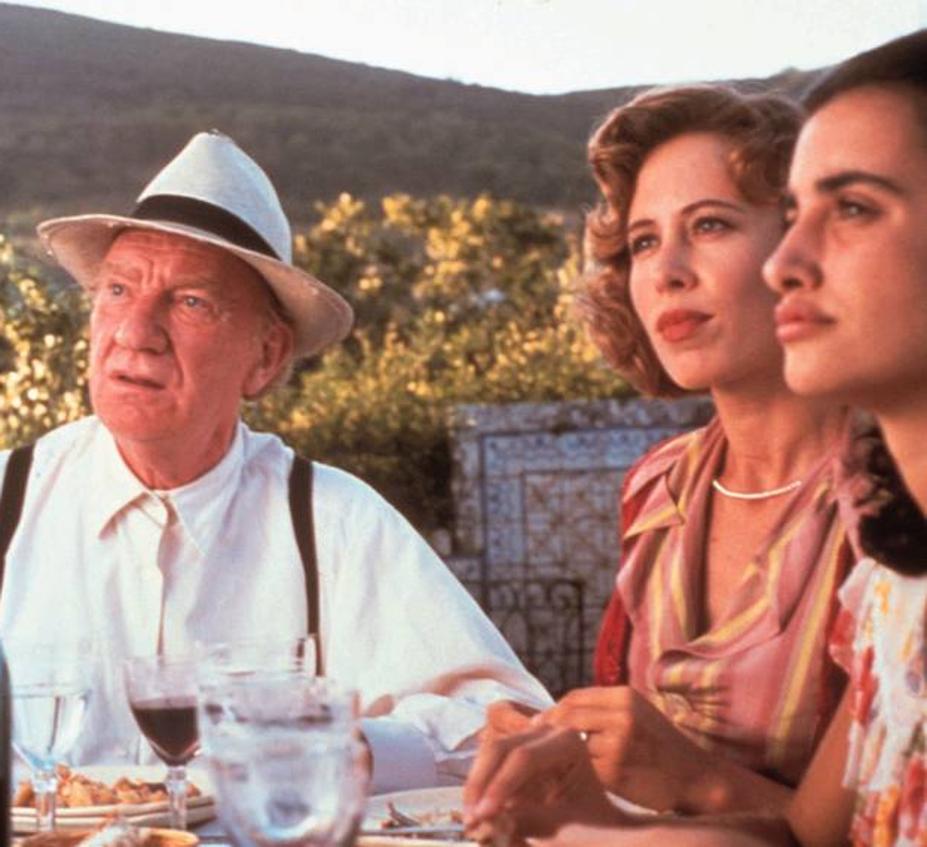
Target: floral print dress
(879, 638)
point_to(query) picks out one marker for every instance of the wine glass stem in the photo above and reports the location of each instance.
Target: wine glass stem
(177, 791)
(45, 785)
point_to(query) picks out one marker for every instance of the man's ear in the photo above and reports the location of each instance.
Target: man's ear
(276, 354)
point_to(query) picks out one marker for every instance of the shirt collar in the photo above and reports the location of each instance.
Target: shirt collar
(672, 479)
(200, 505)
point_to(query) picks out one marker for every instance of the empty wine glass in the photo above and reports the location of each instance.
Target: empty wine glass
(50, 685)
(162, 696)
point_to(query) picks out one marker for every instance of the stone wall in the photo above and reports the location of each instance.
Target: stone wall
(536, 496)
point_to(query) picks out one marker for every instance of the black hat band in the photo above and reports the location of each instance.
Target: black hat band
(201, 215)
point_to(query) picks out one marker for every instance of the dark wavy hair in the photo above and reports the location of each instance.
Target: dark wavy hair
(892, 528)
(900, 65)
(762, 129)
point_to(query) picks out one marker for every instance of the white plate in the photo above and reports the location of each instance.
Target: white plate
(436, 803)
(199, 809)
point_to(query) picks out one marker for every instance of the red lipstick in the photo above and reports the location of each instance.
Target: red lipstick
(680, 324)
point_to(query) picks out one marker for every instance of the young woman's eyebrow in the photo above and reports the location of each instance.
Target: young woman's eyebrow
(844, 179)
(640, 223)
(695, 206)
(711, 202)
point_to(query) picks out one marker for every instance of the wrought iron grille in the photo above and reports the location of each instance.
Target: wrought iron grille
(542, 618)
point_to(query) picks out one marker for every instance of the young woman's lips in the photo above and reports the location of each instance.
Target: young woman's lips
(680, 324)
(797, 320)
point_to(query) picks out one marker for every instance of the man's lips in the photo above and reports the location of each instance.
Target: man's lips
(680, 324)
(797, 319)
(136, 380)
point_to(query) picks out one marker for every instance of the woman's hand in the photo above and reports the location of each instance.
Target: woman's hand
(540, 779)
(635, 750)
(505, 717)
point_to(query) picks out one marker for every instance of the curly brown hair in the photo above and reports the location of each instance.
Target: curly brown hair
(762, 128)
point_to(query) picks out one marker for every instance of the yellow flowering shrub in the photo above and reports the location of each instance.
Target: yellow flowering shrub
(43, 353)
(457, 301)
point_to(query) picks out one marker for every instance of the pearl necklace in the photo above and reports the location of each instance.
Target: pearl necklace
(755, 495)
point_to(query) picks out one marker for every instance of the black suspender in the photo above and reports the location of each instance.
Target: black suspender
(14, 490)
(304, 529)
(11, 499)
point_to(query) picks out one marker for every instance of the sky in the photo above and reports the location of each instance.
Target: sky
(540, 46)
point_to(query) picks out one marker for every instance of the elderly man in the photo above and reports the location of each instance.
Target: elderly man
(163, 521)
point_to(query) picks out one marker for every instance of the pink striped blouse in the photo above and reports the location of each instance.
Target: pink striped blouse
(759, 686)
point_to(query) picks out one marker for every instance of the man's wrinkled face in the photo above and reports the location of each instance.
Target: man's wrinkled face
(178, 336)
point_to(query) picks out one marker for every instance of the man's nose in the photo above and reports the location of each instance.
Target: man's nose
(141, 327)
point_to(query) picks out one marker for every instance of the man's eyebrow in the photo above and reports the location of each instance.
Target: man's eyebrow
(195, 281)
(110, 266)
(830, 184)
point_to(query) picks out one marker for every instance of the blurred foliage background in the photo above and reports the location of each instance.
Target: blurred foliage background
(457, 301)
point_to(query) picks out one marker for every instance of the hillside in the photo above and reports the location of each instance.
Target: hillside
(91, 109)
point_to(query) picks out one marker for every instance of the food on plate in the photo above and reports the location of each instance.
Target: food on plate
(115, 833)
(499, 832)
(398, 819)
(112, 834)
(76, 790)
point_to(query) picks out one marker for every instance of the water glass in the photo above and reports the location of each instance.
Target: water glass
(247, 657)
(50, 684)
(286, 761)
(285, 786)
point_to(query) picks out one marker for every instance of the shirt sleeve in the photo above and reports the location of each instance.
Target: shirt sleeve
(399, 627)
(851, 598)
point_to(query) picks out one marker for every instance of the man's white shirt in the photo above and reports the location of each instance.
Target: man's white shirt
(98, 555)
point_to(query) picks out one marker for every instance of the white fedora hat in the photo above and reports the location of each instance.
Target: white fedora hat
(213, 192)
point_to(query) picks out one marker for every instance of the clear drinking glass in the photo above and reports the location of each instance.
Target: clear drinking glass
(162, 696)
(284, 787)
(50, 685)
(286, 762)
(235, 659)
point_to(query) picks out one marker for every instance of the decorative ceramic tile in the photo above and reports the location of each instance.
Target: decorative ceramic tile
(536, 492)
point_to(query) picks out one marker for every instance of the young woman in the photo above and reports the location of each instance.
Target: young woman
(852, 275)
(714, 680)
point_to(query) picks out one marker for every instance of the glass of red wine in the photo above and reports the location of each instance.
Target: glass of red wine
(162, 696)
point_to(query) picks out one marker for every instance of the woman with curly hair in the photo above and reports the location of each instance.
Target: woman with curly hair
(852, 276)
(713, 680)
